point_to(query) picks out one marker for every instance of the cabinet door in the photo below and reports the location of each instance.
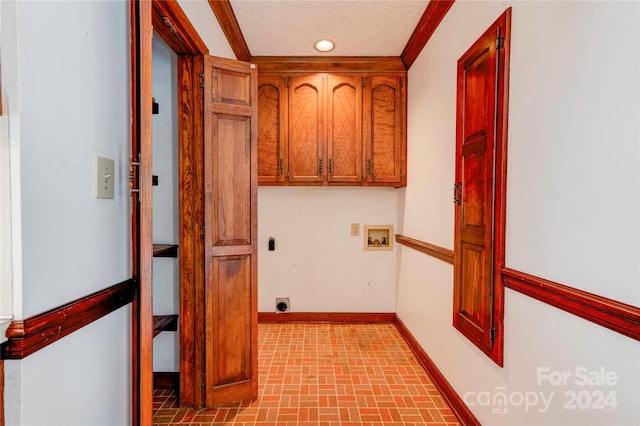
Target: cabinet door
(385, 133)
(344, 129)
(306, 128)
(272, 130)
(230, 249)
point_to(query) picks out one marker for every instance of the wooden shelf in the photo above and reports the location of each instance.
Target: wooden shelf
(165, 250)
(164, 323)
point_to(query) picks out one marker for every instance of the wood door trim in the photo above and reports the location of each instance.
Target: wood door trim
(172, 24)
(231, 29)
(431, 18)
(39, 331)
(438, 252)
(312, 64)
(327, 317)
(459, 408)
(617, 316)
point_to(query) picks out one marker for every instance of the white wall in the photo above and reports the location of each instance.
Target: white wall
(67, 81)
(572, 203)
(317, 263)
(166, 298)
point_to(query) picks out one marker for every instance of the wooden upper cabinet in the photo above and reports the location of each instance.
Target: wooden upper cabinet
(344, 129)
(272, 130)
(306, 129)
(385, 130)
(332, 129)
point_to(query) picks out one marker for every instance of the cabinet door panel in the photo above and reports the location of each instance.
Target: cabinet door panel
(385, 130)
(344, 129)
(306, 128)
(272, 130)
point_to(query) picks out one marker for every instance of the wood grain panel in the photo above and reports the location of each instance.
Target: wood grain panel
(344, 129)
(438, 252)
(327, 317)
(459, 408)
(231, 29)
(617, 316)
(431, 18)
(272, 130)
(32, 334)
(307, 64)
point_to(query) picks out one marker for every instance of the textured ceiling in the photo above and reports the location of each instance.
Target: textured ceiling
(358, 27)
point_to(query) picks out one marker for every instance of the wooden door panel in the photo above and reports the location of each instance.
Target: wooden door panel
(385, 133)
(232, 87)
(272, 130)
(231, 184)
(231, 309)
(480, 187)
(344, 129)
(230, 232)
(306, 127)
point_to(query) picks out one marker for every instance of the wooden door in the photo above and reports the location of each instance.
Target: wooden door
(272, 130)
(384, 106)
(480, 168)
(306, 129)
(344, 129)
(230, 184)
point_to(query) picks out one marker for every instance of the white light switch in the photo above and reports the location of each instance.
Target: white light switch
(355, 229)
(104, 169)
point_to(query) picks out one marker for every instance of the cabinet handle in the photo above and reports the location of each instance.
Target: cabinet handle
(369, 167)
(281, 170)
(457, 193)
(330, 166)
(320, 166)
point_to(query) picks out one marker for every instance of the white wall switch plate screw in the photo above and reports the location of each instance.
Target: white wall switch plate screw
(104, 178)
(355, 229)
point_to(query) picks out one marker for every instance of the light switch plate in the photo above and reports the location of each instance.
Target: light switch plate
(104, 177)
(355, 229)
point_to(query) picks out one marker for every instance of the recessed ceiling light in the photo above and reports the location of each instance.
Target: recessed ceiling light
(325, 45)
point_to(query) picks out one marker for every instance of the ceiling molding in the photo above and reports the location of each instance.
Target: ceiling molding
(359, 64)
(173, 25)
(229, 24)
(431, 18)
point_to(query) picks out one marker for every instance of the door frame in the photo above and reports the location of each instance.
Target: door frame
(172, 25)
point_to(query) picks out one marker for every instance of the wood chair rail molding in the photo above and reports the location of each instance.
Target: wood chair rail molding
(431, 18)
(614, 315)
(32, 334)
(438, 252)
(312, 64)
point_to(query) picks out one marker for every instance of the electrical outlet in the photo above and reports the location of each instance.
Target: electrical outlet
(355, 229)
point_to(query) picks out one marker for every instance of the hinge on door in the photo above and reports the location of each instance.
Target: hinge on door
(320, 166)
(456, 193)
(201, 80)
(203, 380)
(492, 334)
(287, 82)
(369, 167)
(330, 166)
(362, 81)
(202, 232)
(134, 167)
(401, 83)
(499, 40)
(281, 168)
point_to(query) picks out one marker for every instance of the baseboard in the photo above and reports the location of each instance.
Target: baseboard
(166, 380)
(327, 317)
(459, 408)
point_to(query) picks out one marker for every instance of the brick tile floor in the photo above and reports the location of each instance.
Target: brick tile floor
(326, 374)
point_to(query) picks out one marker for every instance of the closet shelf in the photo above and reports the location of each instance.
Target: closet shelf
(165, 250)
(164, 323)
